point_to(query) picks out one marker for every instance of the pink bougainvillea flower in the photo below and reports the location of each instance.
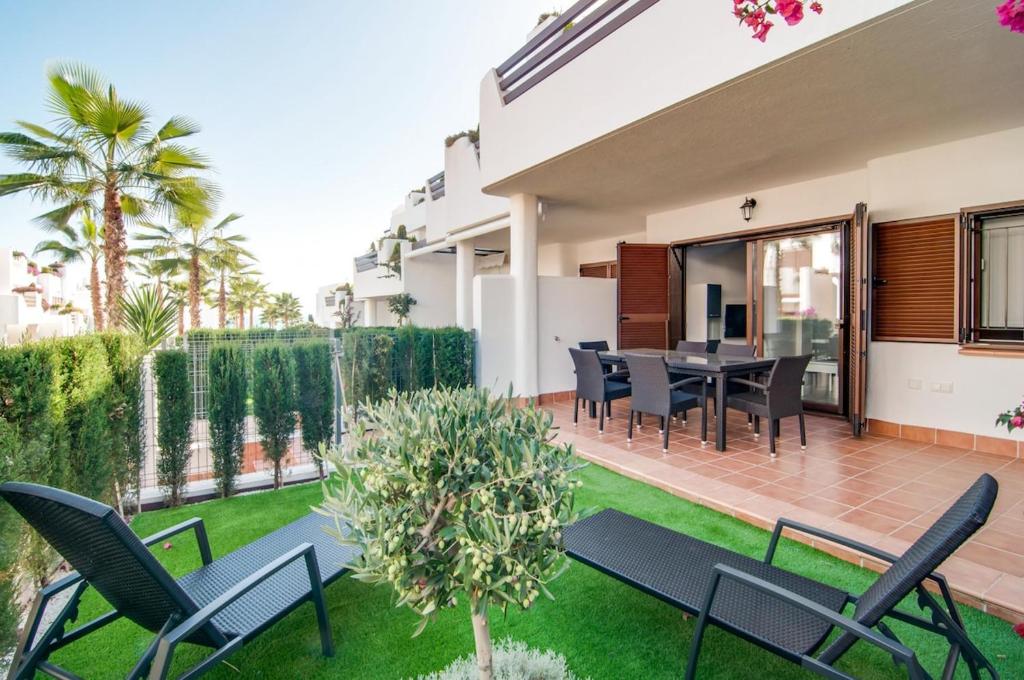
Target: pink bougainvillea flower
(1019, 629)
(755, 19)
(816, 7)
(790, 10)
(1017, 422)
(762, 31)
(1011, 15)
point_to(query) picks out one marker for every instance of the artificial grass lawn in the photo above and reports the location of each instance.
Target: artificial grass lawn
(604, 628)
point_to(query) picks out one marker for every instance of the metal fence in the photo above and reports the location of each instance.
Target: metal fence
(201, 463)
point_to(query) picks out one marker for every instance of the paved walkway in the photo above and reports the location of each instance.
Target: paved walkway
(878, 490)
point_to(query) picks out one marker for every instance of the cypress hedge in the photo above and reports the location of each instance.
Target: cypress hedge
(376, 360)
(314, 394)
(174, 405)
(273, 394)
(70, 409)
(228, 390)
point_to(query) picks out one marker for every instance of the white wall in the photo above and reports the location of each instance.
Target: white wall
(675, 51)
(430, 278)
(493, 301)
(571, 309)
(564, 259)
(466, 204)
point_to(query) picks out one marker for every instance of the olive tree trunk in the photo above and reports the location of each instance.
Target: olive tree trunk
(97, 295)
(482, 638)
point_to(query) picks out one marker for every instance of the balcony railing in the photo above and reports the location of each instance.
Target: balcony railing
(574, 32)
(436, 186)
(366, 262)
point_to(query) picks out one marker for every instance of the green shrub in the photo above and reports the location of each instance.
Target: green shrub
(127, 421)
(87, 423)
(273, 394)
(458, 494)
(314, 394)
(513, 660)
(227, 393)
(174, 417)
(375, 360)
(10, 446)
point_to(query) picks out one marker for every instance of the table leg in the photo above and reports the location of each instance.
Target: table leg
(720, 381)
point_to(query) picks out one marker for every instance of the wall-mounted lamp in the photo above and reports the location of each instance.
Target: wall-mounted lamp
(747, 209)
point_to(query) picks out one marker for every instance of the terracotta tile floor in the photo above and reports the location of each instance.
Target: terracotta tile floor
(882, 491)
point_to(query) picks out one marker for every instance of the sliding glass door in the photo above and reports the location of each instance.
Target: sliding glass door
(799, 285)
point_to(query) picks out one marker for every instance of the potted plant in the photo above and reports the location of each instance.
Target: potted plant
(458, 494)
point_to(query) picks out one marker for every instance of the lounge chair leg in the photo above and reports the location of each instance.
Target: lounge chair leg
(772, 424)
(600, 424)
(317, 595)
(629, 436)
(803, 432)
(575, 411)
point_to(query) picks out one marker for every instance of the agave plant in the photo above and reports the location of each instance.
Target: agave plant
(149, 315)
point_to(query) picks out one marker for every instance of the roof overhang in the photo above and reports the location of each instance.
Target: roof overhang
(939, 70)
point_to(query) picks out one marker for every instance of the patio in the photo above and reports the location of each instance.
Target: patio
(876, 489)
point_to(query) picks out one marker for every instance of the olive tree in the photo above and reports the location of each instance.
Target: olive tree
(457, 492)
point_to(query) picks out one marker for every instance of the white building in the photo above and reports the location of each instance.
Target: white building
(880, 184)
(38, 302)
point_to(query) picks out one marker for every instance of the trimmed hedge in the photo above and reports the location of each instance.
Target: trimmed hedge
(273, 396)
(315, 394)
(174, 406)
(375, 360)
(70, 412)
(228, 390)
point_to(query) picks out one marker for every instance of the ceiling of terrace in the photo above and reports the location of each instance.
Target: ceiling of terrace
(941, 70)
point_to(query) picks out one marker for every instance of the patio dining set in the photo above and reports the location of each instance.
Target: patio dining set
(668, 383)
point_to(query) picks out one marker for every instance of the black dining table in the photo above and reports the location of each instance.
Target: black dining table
(707, 365)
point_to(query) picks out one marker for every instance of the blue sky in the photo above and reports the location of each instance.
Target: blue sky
(317, 115)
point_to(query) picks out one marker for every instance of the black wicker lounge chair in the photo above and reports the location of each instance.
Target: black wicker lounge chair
(223, 604)
(785, 613)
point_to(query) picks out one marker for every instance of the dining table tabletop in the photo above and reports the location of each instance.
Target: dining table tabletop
(718, 366)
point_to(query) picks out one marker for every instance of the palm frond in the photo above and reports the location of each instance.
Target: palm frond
(148, 315)
(62, 252)
(177, 126)
(12, 184)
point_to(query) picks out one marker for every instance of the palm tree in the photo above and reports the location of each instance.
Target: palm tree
(226, 259)
(191, 241)
(148, 315)
(102, 155)
(246, 294)
(177, 294)
(85, 244)
(289, 309)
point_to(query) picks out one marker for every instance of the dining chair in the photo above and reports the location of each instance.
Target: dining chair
(729, 349)
(613, 372)
(593, 385)
(690, 347)
(780, 396)
(655, 394)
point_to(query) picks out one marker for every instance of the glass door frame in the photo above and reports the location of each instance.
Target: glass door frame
(755, 258)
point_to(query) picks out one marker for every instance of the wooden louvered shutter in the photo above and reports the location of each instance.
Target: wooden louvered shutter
(914, 281)
(598, 270)
(643, 295)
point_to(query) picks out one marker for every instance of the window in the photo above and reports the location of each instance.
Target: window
(993, 244)
(914, 281)
(329, 300)
(599, 270)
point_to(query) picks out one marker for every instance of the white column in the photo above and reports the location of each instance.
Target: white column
(465, 255)
(523, 267)
(369, 312)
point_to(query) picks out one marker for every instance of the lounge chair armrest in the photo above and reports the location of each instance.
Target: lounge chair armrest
(897, 650)
(784, 523)
(63, 583)
(687, 381)
(753, 384)
(202, 617)
(196, 525)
